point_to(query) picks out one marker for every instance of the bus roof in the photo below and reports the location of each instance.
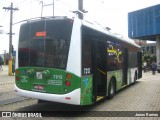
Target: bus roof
(94, 26)
(99, 28)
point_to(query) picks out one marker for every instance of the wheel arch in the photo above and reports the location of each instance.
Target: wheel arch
(111, 87)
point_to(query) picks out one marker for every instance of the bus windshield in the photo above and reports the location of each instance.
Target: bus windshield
(45, 43)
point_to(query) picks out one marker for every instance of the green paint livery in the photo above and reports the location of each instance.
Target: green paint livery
(46, 80)
(86, 91)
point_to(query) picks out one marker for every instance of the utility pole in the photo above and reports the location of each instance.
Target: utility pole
(10, 36)
(53, 7)
(80, 8)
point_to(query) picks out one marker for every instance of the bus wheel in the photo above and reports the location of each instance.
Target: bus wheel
(111, 89)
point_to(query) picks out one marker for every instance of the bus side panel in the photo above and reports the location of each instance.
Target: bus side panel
(139, 59)
(86, 90)
(74, 56)
(131, 75)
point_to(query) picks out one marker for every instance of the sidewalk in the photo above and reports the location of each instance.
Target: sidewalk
(7, 93)
(5, 70)
(4, 78)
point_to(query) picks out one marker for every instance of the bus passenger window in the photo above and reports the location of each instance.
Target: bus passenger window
(115, 57)
(86, 57)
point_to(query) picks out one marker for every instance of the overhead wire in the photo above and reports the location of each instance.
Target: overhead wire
(68, 6)
(64, 9)
(20, 2)
(92, 20)
(15, 4)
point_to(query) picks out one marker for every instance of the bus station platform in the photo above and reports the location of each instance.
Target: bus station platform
(143, 96)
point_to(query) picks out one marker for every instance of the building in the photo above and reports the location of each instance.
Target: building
(144, 24)
(149, 49)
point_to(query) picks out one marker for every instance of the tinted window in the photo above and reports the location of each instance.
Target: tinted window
(132, 59)
(86, 53)
(45, 50)
(115, 56)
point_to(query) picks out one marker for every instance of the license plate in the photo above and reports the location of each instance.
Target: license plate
(39, 87)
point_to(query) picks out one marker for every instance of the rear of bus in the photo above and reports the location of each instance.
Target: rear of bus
(43, 50)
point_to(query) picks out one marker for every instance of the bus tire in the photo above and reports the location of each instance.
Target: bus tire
(42, 101)
(111, 89)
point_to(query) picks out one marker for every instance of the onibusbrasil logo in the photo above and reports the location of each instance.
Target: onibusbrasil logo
(20, 114)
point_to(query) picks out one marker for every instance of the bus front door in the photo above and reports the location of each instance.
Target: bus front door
(139, 62)
(125, 66)
(99, 57)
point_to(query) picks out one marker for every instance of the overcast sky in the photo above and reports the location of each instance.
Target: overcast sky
(110, 13)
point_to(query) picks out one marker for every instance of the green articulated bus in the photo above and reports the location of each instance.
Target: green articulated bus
(73, 61)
